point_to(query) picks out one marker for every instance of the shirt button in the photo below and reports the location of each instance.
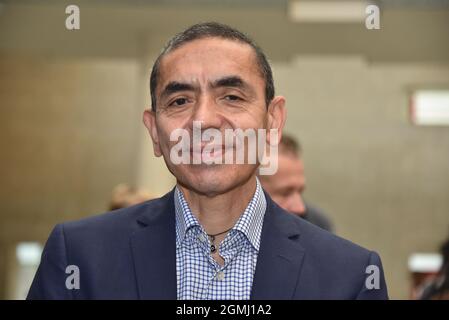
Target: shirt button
(201, 237)
(220, 275)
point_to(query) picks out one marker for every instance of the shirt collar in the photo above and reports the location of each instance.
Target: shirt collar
(250, 222)
(184, 217)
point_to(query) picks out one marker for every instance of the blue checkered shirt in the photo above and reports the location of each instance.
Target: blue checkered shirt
(199, 276)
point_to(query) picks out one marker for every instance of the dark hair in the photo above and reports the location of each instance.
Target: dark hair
(439, 287)
(212, 30)
(444, 272)
(288, 144)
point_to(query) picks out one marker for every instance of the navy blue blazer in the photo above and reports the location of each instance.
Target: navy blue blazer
(131, 254)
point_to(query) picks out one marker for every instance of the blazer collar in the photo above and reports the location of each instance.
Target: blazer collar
(280, 257)
(154, 253)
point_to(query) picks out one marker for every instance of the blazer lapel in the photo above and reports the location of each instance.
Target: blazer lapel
(280, 256)
(154, 252)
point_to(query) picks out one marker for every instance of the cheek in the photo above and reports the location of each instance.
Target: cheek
(277, 198)
(164, 133)
(251, 116)
(247, 121)
(283, 203)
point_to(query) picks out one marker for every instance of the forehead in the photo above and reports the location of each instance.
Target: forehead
(209, 58)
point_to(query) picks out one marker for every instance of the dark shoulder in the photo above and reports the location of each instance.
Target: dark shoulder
(117, 221)
(320, 242)
(319, 218)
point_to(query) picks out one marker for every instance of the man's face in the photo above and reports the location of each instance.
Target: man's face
(287, 185)
(218, 83)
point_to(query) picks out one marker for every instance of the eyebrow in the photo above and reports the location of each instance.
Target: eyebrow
(233, 82)
(175, 86)
(228, 81)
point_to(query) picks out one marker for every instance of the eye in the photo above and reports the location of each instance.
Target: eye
(285, 194)
(232, 97)
(179, 102)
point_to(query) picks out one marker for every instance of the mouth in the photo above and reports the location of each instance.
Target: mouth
(207, 153)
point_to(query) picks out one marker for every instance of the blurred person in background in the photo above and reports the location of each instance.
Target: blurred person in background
(125, 196)
(287, 185)
(438, 289)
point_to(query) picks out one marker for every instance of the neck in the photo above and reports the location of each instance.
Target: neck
(221, 212)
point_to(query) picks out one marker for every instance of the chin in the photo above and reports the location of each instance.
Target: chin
(212, 180)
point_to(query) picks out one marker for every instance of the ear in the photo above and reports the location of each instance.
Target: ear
(149, 120)
(277, 114)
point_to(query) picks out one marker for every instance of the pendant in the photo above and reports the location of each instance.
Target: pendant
(213, 248)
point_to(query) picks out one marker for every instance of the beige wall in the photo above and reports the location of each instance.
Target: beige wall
(384, 181)
(69, 135)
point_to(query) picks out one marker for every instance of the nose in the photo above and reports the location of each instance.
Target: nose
(206, 112)
(296, 204)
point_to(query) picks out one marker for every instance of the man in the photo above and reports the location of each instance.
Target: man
(287, 185)
(216, 235)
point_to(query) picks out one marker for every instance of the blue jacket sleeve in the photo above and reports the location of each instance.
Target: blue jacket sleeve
(374, 286)
(50, 278)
